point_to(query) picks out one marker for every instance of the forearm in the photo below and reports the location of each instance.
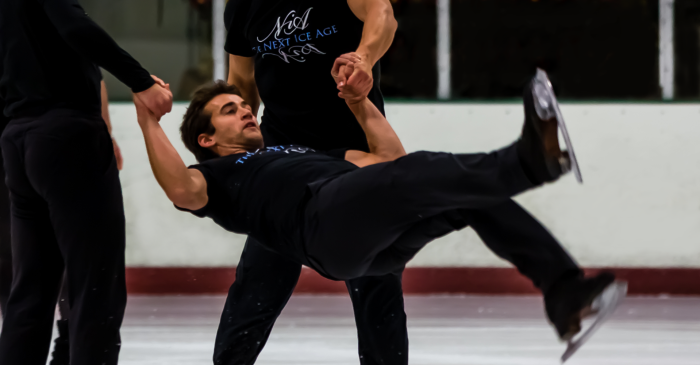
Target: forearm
(170, 171)
(242, 74)
(381, 137)
(91, 41)
(378, 32)
(249, 91)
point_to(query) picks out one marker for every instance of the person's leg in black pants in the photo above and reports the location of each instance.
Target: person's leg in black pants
(398, 204)
(354, 217)
(264, 282)
(66, 207)
(61, 349)
(380, 319)
(60, 354)
(517, 237)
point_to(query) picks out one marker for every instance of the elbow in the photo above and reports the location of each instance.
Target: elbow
(182, 198)
(392, 23)
(389, 19)
(391, 156)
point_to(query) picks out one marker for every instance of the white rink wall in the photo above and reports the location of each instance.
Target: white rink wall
(639, 205)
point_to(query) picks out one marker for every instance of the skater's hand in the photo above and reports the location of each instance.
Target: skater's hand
(118, 154)
(356, 83)
(361, 69)
(158, 98)
(343, 60)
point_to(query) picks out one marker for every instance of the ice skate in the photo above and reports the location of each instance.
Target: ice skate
(568, 302)
(603, 307)
(541, 106)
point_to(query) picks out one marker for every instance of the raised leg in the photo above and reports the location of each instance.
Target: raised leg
(357, 215)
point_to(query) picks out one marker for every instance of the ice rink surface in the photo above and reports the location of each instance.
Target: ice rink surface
(468, 330)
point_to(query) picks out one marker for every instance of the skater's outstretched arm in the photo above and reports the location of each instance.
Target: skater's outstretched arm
(384, 144)
(91, 41)
(377, 35)
(186, 188)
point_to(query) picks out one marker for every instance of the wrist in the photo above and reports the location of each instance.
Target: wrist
(355, 102)
(366, 56)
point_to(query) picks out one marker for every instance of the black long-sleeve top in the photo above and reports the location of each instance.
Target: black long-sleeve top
(50, 51)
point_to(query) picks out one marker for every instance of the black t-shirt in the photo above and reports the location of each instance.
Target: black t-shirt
(294, 44)
(262, 193)
(50, 51)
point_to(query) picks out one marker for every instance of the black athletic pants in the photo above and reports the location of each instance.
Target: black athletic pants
(373, 220)
(265, 281)
(66, 206)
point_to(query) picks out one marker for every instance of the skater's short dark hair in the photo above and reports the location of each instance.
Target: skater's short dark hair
(197, 120)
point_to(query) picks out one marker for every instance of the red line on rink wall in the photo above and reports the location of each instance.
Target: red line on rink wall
(418, 280)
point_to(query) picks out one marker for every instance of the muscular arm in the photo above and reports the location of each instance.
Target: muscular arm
(379, 29)
(88, 39)
(384, 144)
(241, 72)
(186, 188)
(377, 35)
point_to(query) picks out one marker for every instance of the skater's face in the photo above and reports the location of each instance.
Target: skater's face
(235, 125)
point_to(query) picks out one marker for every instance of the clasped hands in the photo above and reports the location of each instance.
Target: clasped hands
(353, 77)
(158, 98)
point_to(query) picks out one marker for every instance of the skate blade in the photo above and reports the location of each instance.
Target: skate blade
(547, 107)
(605, 304)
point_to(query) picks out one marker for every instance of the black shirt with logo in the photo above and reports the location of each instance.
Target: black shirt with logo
(294, 44)
(262, 193)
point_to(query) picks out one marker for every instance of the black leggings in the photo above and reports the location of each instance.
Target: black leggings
(373, 220)
(66, 207)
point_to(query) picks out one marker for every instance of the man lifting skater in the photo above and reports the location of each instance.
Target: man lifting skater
(349, 213)
(67, 210)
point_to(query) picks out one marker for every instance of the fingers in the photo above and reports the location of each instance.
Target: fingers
(358, 83)
(165, 104)
(343, 60)
(349, 70)
(344, 73)
(158, 80)
(341, 79)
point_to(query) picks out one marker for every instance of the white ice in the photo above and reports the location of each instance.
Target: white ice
(469, 330)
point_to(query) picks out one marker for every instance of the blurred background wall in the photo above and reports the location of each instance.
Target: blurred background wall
(639, 205)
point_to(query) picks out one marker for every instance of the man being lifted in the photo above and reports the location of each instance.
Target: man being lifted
(348, 213)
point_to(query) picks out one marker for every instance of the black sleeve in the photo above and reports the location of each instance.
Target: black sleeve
(235, 20)
(88, 39)
(338, 153)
